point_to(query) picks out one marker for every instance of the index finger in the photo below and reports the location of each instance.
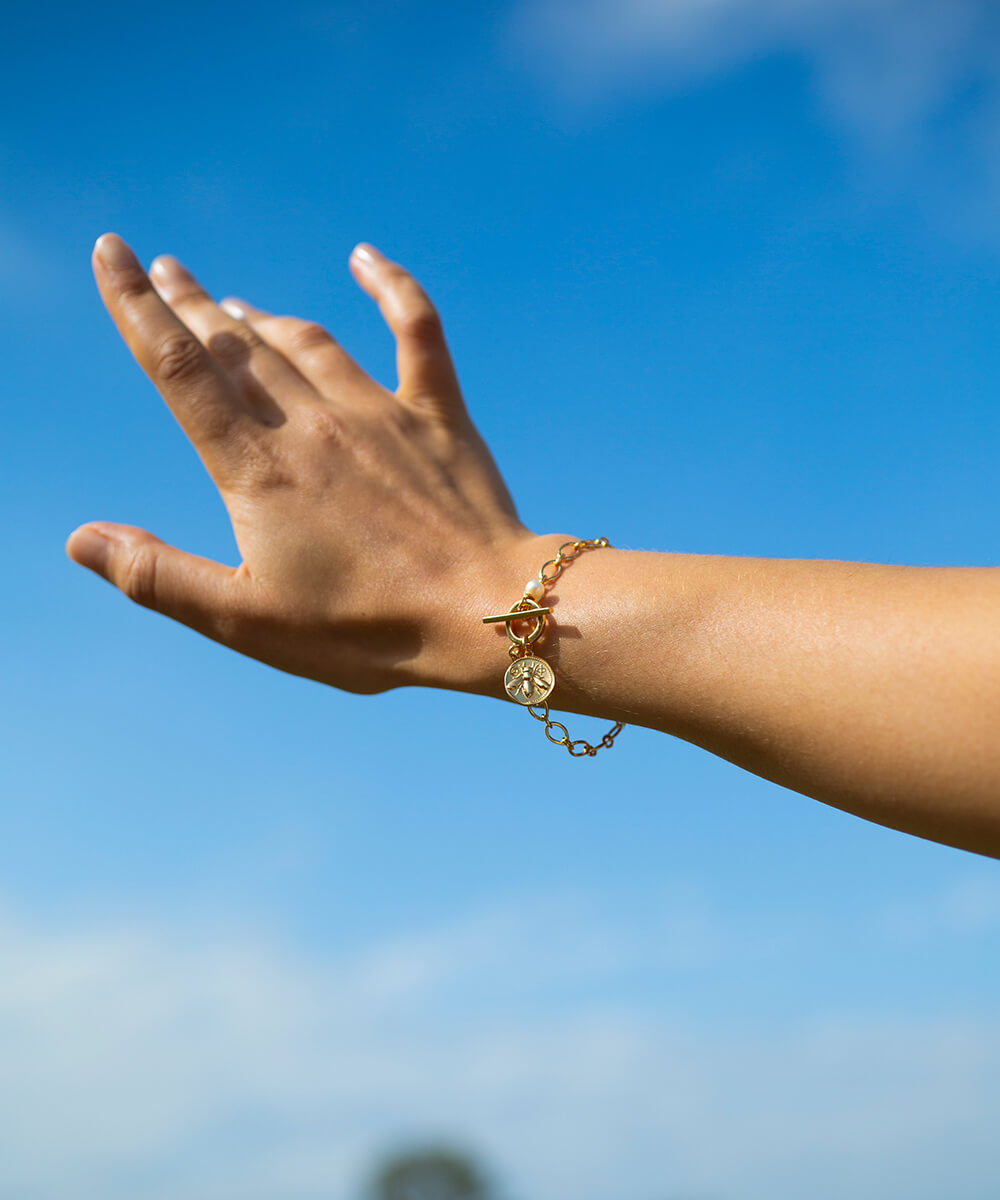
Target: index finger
(199, 394)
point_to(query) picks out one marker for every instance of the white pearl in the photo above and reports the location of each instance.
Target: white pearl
(535, 589)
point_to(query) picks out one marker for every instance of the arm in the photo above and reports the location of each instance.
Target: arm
(367, 518)
(873, 688)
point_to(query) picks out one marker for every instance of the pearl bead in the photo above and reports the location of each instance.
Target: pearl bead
(535, 589)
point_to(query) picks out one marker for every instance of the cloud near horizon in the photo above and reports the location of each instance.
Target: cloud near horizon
(143, 1060)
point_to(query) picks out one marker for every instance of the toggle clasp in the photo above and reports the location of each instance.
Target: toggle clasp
(526, 610)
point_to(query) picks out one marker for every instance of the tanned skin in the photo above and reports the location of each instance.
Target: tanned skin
(367, 518)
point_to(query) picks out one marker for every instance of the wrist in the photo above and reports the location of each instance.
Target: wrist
(530, 677)
(463, 654)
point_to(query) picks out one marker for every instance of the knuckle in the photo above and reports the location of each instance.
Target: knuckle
(421, 322)
(137, 578)
(262, 469)
(231, 348)
(427, 404)
(178, 358)
(324, 425)
(131, 281)
(398, 276)
(304, 336)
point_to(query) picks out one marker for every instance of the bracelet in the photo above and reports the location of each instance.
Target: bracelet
(529, 680)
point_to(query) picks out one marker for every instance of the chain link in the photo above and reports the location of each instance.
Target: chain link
(579, 748)
(564, 556)
(556, 731)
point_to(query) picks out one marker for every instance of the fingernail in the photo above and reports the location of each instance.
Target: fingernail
(365, 253)
(168, 269)
(91, 549)
(234, 310)
(113, 252)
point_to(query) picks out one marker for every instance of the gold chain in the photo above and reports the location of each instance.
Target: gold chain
(528, 675)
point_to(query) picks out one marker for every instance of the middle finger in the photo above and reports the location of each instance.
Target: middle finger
(269, 380)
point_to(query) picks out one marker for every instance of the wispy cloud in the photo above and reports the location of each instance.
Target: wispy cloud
(29, 271)
(146, 1061)
(882, 64)
(968, 907)
(915, 80)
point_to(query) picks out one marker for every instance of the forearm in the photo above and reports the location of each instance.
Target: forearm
(872, 688)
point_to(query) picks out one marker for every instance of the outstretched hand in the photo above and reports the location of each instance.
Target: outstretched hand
(365, 518)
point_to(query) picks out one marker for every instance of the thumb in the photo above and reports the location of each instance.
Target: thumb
(196, 591)
(423, 360)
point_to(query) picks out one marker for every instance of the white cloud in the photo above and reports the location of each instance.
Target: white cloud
(969, 906)
(881, 63)
(140, 1061)
(915, 83)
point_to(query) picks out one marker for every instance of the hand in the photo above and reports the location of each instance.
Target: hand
(365, 518)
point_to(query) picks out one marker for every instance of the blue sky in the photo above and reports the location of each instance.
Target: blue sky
(742, 258)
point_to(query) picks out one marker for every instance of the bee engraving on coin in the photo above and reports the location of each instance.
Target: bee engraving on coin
(529, 680)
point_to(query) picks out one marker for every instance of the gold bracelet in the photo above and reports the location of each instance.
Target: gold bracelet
(529, 680)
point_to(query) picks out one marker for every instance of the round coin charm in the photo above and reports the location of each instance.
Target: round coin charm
(529, 680)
